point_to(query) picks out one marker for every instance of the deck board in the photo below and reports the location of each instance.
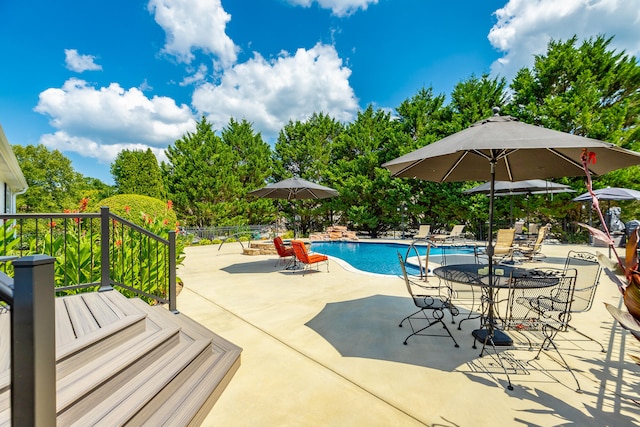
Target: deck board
(64, 328)
(5, 341)
(100, 309)
(81, 318)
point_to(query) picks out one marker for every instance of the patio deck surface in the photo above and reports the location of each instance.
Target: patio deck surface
(325, 349)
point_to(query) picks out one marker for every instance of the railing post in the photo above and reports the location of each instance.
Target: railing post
(105, 227)
(33, 352)
(172, 272)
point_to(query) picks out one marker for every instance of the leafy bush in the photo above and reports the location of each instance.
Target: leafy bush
(132, 207)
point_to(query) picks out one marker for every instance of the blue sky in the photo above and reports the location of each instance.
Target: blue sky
(92, 78)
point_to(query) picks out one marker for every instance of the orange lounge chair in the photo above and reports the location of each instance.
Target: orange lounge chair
(306, 258)
(286, 254)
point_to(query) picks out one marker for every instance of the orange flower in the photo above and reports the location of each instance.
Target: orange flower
(118, 243)
(52, 224)
(83, 204)
(169, 204)
(127, 209)
(165, 222)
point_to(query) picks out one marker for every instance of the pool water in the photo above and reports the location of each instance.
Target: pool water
(380, 258)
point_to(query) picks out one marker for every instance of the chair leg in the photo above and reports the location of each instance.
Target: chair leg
(588, 337)
(489, 339)
(437, 319)
(549, 333)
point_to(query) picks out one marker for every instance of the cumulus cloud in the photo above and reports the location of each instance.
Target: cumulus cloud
(99, 122)
(194, 24)
(525, 27)
(270, 93)
(79, 63)
(338, 7)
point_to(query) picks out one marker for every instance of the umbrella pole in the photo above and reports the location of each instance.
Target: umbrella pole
(490, 236)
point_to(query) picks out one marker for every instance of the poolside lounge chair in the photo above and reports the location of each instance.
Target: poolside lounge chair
(504, 247)
(285, 253)
(455, 233)
(533, 249)
(433, 302)
(307, 259)
(423, 232)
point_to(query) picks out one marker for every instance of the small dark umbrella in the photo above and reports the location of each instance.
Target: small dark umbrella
(610, 193)
(294, 189)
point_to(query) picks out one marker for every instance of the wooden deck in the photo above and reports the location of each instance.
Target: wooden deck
(123, 362)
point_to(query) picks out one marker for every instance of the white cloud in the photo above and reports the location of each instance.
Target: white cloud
(87, 147)
(338, 7)
(79, 63)
(270, 93)
(99, 122)
(525, 27)
(194, 24)
(197, 76)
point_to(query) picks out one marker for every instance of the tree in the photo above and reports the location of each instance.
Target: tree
(53, 183)
(137, 172)
(589, 90)
(473, 99)
(251, 166)
(369, 197)
(197, 181)
(303, 149)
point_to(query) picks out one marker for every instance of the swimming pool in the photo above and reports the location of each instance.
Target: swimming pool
(380, 258)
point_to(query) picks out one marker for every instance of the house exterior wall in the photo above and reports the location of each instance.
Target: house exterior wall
(11, 178)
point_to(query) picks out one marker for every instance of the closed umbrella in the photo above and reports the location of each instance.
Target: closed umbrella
(502, 148)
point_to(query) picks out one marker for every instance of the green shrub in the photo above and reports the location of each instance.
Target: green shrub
(132, 207)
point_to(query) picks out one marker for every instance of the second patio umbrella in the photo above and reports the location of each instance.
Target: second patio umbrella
(517, 188)
(295, 189)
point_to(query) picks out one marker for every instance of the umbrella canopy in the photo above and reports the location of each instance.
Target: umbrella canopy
(295, 189)
(502, 148)
(610, 193)
(529, 186)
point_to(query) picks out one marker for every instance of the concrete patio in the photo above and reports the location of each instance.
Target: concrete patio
(325, 349)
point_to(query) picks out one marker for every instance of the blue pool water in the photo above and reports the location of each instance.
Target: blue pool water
(380, 258)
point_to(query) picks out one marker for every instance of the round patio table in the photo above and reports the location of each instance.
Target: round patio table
(501, 278)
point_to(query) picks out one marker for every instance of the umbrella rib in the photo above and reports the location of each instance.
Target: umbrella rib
(569, 159)
(450, 171)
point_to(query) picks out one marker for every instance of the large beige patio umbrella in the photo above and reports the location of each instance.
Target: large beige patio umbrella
(502, 148)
